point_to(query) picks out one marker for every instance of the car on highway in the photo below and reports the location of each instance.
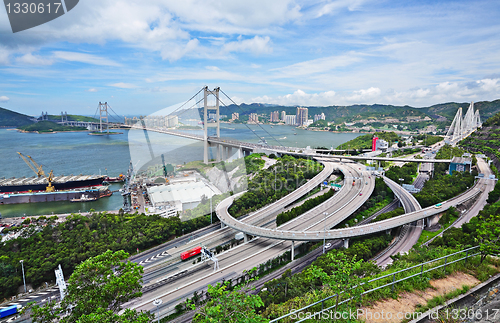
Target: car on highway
(328, 245)
(438, 206)
(360, 194)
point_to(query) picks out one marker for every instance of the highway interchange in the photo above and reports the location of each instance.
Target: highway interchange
(172, 281)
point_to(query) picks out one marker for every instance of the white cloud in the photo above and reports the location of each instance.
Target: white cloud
(84, 58)
(332, 7)
(31, 59)
(176, 52)
(91, 90)
(122, 85)
(317, 65)
(363, 96)
(256, 45)
(3, 98)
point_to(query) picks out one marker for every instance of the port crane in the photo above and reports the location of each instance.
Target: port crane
(39, 171)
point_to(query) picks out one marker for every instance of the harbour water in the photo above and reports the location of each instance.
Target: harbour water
(78, 153)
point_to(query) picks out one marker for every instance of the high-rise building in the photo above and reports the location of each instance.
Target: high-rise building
(301, 116)
(290, 119)
(275, 116)
(235, 116)
(253, 118)
(319, 117)
(283, 116)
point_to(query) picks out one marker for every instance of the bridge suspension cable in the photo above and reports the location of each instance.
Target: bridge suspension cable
(246, 124)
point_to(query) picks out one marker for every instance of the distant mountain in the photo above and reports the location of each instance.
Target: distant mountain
(440, 112)
(10, 118)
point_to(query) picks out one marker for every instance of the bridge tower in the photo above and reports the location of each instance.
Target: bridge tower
(461, 128)
(206, 125)
(103, 116)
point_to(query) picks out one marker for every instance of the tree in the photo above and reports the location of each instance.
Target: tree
(96, 290)
(230, 306)
(488, 235)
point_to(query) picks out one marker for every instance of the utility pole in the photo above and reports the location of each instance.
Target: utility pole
(24, 280)
(211, 212)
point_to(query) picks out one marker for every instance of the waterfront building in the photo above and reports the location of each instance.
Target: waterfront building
(319, 117)
(275, 116)
(290, 119)
(283, 116)
(235, 116)
(253, 118)
(301, 116)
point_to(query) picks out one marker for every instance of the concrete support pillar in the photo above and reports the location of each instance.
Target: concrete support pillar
(229, 152)
(222, 225)
(245, 237)
(240, 153)
(346, 243)
(293, 250)
(388, 231)
(219, 153)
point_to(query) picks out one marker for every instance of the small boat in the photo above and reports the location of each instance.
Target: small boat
(295, 133)
(283, 138)
(83, 198)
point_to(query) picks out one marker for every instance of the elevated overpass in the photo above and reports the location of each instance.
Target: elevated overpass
(316, 235)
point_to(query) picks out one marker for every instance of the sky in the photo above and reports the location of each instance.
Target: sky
(143, 56)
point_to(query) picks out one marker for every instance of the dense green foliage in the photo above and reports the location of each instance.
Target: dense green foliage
(429, 140)
(46, 244)
(230, 305)
(446, 152)
(494, 195)
(405, 172)
(304, 207)
(443, 187)
(289, 172)
(96, 291)
(319, 124)
(10, 118)
(365, 141)
(391, 214)
(49, 126)
(288, 287)
(247, 165)
(405, 151)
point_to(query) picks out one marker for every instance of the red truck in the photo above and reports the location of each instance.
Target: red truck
(190, 253)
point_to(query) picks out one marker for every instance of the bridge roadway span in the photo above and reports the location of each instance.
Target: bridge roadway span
(278, 149)
(311, 235)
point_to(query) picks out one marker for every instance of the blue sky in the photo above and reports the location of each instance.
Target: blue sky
(142, 56)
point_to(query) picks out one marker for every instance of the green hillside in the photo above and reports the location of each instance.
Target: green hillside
(10, 118)
(49, 126)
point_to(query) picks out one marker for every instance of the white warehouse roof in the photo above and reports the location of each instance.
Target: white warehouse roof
(186, 192)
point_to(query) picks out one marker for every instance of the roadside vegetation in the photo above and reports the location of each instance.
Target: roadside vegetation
(44, 244)
(269, 185)
(306, 206)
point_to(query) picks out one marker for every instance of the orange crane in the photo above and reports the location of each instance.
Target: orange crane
(39, 171)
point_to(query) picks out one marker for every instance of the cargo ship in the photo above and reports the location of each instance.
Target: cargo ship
(76, 195)
(35, 184)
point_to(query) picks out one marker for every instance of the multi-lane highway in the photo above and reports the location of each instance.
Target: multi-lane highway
(247, 256)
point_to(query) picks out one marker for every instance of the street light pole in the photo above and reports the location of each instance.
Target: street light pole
(324, 236)
(211, 209)
(157, 302)
(24, 280)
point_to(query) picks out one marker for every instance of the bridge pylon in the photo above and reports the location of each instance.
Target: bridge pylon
(206, 125)
(103, 116)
